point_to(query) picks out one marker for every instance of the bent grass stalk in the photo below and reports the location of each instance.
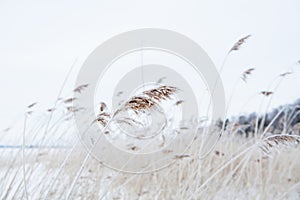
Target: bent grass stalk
(265, 144)
(235, 47)
(23, 158)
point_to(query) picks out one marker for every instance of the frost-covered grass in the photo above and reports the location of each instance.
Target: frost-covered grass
(44, 159)
(252, 175)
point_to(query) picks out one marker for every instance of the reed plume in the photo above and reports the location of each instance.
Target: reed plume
(103, 116)
(239, 43)
(32, 105)
(247, 73)
(148, 99)
(266, 93)
(285, 74)
(70, 100)
(276, 140)
(80, 88)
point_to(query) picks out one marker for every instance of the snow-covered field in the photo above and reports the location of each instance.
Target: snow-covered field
(229, 172)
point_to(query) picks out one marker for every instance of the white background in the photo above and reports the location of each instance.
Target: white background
(39, 41)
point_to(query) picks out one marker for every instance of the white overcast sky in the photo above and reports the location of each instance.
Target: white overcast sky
(39, 40)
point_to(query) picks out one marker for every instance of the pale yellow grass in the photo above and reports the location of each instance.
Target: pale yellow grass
(251, 175)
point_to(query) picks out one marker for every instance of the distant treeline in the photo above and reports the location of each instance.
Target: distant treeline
(282, 120)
